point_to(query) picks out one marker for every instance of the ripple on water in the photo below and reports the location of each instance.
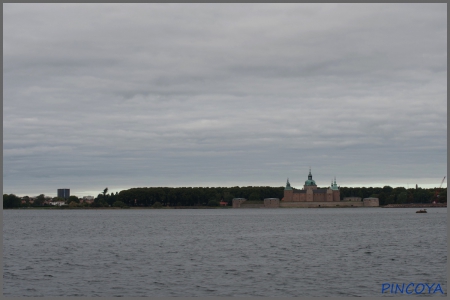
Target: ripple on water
(284, 253)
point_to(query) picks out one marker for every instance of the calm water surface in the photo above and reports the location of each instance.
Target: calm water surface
(221, 252)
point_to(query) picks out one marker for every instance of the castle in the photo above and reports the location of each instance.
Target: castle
(310, 193)
(310, 196)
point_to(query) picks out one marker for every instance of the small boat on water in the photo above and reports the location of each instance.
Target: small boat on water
(422, 211)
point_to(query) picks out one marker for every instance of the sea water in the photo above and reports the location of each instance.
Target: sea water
(221, 252)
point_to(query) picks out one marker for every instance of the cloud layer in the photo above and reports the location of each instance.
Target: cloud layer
(127, 95)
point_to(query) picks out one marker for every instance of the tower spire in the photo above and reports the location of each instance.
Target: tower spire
(334, 185)
(288, 185)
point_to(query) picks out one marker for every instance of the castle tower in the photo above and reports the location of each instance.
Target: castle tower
(335, 190)
(330, 192)
(288, 185)
(310, 184)
(288, 192)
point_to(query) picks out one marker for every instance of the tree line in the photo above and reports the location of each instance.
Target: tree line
(196, 196)
(202, 196)
(399, 195)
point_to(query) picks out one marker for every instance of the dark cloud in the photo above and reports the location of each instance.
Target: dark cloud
(126, 95)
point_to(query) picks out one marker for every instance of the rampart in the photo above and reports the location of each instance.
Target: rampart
(251, 205)
(416, 205)
(321, 204)
(237, 202)
(353, 199)
(271, 202)
(275, 203)
(371, 202)
(267, 203)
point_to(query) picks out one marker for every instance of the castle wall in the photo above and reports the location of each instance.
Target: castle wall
(329, 195)
(371, 202)
(288, 195)
(309, 195)
(237, 202)
(353, 199)
(311, 204)
(336, 195)
(251, 205)
(275, 202)
(271, 202)
(320, 204)
(320, 197)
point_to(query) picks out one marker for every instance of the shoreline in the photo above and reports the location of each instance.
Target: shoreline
(131, 207)
(415, 205)
(411, 205)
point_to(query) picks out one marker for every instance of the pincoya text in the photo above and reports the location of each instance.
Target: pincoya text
(411, 288)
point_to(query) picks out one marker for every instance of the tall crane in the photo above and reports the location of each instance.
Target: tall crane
(436, 193)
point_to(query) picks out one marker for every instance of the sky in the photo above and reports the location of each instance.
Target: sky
(189, 95)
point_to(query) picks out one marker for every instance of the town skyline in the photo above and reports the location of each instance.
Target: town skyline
(210, 95)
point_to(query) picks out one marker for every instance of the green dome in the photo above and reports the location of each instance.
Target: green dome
(310, 182)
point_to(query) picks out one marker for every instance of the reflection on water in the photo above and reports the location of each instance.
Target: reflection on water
(221, 252)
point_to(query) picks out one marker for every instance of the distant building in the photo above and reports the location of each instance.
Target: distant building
(309, 197)
(64, 193)
(237, 202)
(310, 192)
(371, 202)
(271, 202)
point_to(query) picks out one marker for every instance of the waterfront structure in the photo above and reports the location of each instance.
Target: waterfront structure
(268, 203)
(371, 202)
(310, 193)
(63, 193)
(271, 202)
(310, 196)
(236, 202)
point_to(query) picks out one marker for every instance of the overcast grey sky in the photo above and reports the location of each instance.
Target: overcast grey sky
(140, 95)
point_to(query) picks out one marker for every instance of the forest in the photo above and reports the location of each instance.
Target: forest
(211, 196)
